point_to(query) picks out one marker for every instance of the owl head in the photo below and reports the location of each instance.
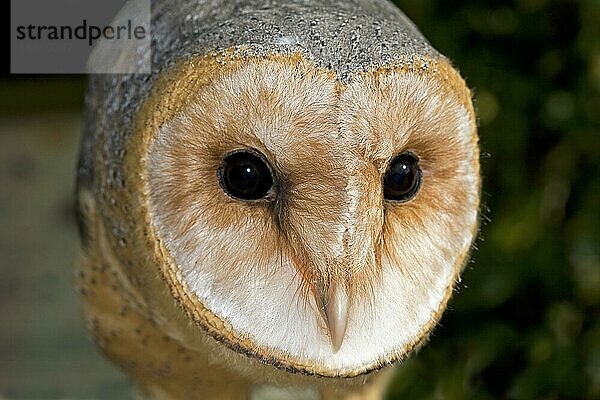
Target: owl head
(311, 215)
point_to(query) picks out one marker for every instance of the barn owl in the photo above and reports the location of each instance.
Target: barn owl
(286, 201)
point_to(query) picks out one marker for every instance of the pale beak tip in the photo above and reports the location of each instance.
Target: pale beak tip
(336, 340)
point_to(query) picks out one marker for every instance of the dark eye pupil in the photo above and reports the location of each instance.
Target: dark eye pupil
(245, 176)
(402, 179)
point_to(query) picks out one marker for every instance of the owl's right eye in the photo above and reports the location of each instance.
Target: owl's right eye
(246, 175)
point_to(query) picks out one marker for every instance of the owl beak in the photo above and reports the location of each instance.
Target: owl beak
(333, 304)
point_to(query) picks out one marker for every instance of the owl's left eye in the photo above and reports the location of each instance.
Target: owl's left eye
(402, 180)
(245, 175)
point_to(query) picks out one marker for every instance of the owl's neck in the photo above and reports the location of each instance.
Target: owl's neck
(270, 392)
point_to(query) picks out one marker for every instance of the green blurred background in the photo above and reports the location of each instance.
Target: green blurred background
(525, 321)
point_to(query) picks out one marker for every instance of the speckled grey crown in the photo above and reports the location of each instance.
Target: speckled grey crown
(344, 36)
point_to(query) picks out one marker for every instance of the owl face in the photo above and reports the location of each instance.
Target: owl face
(317, 225)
